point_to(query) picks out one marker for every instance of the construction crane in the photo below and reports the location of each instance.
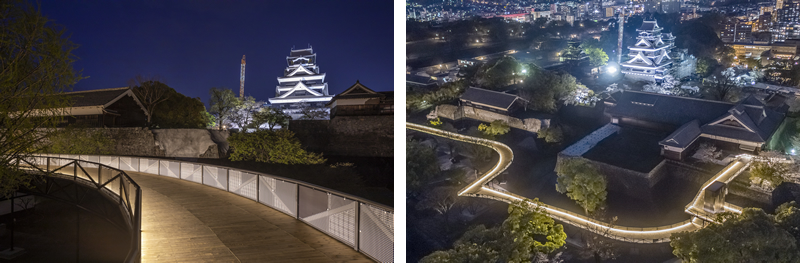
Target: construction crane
(621, 21)
(241, 81)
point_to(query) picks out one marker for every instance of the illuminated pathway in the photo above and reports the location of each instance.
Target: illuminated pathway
(188, 222)
(629, 234)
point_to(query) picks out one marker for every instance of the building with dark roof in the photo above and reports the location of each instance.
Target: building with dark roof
(747, 124)
(358, 100)
(416, 82)
(493, 101)
(117, 107)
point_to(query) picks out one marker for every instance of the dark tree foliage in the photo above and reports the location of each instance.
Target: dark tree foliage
(421, 165)
(267, 146)
(527, 231)
(35, 64)
(752, 236)
(179, 111)
(543, 89)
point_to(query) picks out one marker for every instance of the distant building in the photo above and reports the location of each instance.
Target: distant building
(489, 100)
(302, 84)
(117, 107)
(358, 100)
(522, 18)
(745, 125)
(649, 59)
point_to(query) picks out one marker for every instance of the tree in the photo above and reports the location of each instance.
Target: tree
(179, 111)
(311, 112)
(787, 216)
(421, 165)
(768, 171)
(223, 103)
(725, 88)
(551, 134)
(544, 89)
(150, 91)
(597, 57)
(278, 146)
(583, 183)
(35, 64)
(243, 114)
(497, 127)
(440, 199)
(271, 117)
(527, 232)
(210, 120)
(704, 66)
(500, 74)
(750, 237)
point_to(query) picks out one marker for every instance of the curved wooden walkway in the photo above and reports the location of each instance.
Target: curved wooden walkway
(188, 222)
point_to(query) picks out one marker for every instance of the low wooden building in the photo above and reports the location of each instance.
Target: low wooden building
(116, 107)
(358, 100)
(746, 125)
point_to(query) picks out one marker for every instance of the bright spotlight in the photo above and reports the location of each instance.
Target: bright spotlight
(612, 70)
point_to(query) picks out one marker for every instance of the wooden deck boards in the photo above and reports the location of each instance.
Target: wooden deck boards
(188, 222)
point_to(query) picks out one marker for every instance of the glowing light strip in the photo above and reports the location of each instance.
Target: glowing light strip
(576, 219)
(580, 219)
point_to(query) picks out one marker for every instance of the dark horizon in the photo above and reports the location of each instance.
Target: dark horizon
(196, 45)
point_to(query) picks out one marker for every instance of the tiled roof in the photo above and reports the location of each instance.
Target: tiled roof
(666, 109)
(301, 52)
(488, 97)
(94, 97)
(683, 136)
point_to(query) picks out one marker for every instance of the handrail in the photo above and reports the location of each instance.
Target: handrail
(133, 211)
(369, 233)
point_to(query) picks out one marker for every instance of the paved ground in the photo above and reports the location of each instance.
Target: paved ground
(188, 222)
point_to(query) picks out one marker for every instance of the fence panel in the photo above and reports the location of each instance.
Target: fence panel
(376, 237)
(277, 194)
(342, 219)
(192, 172)
(169, 168)
(129, 164)
(91, 160)
(216, 177)
(148, 166)
(112, 161)
(243, 184)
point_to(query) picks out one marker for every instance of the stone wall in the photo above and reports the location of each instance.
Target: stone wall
(457, 112)
(370, 136)
(632, 183)
(138, 141)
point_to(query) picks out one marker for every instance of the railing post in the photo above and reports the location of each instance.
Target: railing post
(297, 214)
(228, 180)
(258, 188)
(358, 226)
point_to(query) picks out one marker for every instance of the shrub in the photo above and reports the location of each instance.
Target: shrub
(266, 146)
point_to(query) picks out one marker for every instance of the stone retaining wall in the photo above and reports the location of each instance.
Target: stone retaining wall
(368, 136)
(458, 112)
(139, 141)
(632, 183)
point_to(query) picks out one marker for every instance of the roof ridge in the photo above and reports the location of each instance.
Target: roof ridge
(494, 91)
(95, 90)
(681, 97)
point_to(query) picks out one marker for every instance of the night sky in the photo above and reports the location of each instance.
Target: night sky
(196, 45)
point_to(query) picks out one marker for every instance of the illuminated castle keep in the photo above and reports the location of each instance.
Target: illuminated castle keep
(301, 85)
(654, 56)
(650, 58)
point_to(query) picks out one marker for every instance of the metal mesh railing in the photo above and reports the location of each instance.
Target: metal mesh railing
(366, 226)
(103, 175)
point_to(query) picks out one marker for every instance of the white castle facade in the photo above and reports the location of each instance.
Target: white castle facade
(302, 85)
(654, 56)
